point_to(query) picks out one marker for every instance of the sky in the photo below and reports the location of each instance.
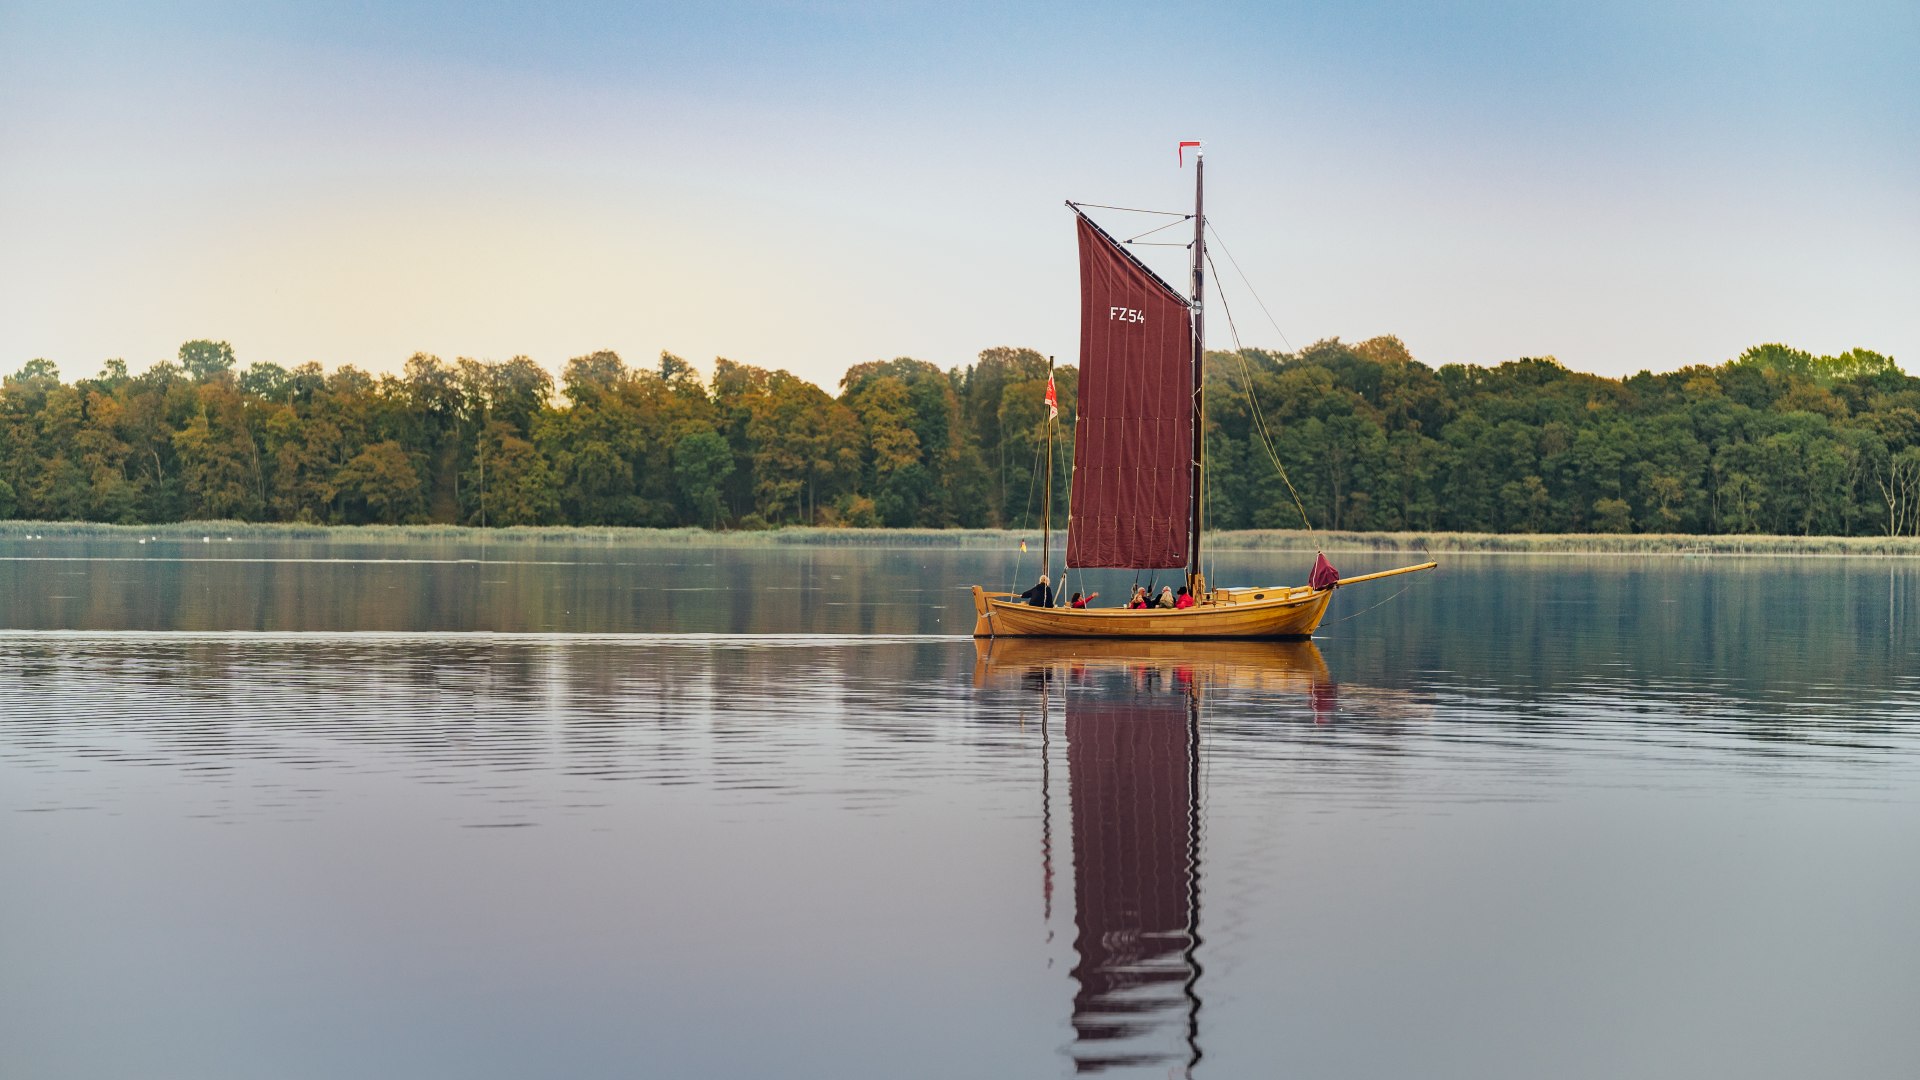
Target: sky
(812, 184)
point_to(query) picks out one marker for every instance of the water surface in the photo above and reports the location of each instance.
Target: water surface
(428, 809)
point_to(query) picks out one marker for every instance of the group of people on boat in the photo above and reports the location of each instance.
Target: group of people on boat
(1167, 599)
(1041, 595)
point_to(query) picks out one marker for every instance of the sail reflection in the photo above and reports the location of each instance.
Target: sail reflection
(1132, 785)
(1133, 712)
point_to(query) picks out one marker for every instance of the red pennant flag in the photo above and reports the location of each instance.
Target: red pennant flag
(1053, 402)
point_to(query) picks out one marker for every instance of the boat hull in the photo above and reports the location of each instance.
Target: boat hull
(1286, 613)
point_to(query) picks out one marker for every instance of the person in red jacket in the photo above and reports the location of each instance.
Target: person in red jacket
(1082, 601)
(1139, 597)
(1184, 600)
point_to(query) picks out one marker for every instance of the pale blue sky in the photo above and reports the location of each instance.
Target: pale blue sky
(811, 185)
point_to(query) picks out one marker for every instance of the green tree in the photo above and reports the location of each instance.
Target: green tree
(205, 360)
(39, 370)
(702, 461)
(1612, 515)
(1776, 440)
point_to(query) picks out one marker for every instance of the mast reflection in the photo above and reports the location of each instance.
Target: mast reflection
(1132, 726)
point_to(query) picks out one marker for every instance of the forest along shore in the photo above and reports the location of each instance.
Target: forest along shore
(1777, 441)
(196, 532)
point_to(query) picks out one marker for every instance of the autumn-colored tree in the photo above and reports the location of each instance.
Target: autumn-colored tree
(512, 482)
(105, 457)
(383, 479)
(804, 447)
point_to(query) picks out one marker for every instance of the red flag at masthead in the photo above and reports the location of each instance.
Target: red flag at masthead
(1053, 401)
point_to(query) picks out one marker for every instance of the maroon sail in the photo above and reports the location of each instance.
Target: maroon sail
(1133, 438)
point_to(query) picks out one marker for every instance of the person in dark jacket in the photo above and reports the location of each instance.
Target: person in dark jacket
(1041, 595)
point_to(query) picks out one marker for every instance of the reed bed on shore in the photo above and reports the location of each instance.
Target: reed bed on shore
(989, 539)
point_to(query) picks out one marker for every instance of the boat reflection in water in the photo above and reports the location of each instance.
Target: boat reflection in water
(1132, 724)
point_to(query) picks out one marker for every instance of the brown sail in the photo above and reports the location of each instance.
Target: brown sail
(1133, 440)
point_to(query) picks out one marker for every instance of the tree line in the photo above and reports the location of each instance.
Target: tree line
(1352, 436)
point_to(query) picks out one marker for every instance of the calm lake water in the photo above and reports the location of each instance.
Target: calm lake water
(443, 810)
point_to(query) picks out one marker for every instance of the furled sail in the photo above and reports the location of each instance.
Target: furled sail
(1133, 438)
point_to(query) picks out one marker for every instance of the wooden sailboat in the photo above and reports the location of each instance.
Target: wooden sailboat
(1135, 501)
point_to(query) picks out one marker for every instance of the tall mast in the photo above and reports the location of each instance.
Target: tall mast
(1197, 581)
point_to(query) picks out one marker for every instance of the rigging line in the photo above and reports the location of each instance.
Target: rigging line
(1065, 570)
(1265, 431)
(1150, 232)
(1213, 552)
(1363, 611)
(1060, 591)
(1183, 215)
(1206, 515)
(1259, 414)
(1033, 474)
(1157, 243)
(1250, 289)
(1132, 258)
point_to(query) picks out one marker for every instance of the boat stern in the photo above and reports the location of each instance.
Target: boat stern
(982, 616)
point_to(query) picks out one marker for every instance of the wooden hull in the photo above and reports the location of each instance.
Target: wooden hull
(1281, 613)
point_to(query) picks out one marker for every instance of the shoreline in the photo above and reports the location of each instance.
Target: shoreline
(987, 539)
